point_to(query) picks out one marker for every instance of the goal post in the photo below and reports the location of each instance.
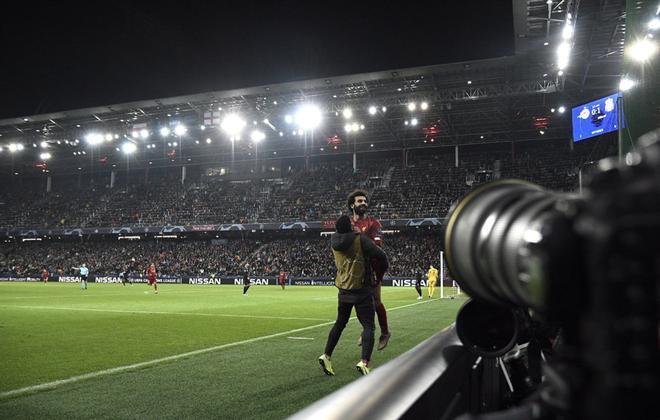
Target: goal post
(453, 289)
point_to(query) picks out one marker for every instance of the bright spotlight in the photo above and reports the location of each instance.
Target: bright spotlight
(372, 110)
(144, 133)
(93, 139)
(413, 121)
(625, 84)
(43, 144)
(12, 147)
(202, 127)
(308, 117)
(135, 134)
(412, 106)
(384, 109)
(108, 137)
(567, 32)
(654, 24)
(563, 55)
(208, 141)
(128, 147)
(164, 131)
(561, 109)
(175, 144)
(560, 73)
(424, 106)
(45, 156)
(288, 119)
(642, 49)
(257, 136)
(180, 130)
(347, 113)
(347, 128)
(232, 124)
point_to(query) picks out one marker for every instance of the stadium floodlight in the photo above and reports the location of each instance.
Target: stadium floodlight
(202, 127)
(413, 122)
(560, 73)
(15, 147)
(288, 119)
(144, 133)
(308, 117)
(654, 24)
(424, 106)
(626, 84)
(164, 131)
(108, 137)
(45, 156)
(372, 110)
(567, 31)
(180, 130)
(175, 144)
(561, 109)
(347, 113)
(43, 144)
(135, 134)
(563, 55)
(257, 136)
(412, 106)
(348, 128)
(128, 147)
(93, 139)
(642, 50)
(355, 126)
(208, 141)
(233, 124)
(383, 109)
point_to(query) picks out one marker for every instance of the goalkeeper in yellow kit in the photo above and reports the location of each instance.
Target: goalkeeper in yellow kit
(433, 279)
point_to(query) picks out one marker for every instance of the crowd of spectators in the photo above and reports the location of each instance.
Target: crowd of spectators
(425, 186)
(304, 257)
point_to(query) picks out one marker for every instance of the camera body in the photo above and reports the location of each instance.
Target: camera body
(579, 272)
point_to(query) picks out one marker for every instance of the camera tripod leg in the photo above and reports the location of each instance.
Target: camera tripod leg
(505, 373)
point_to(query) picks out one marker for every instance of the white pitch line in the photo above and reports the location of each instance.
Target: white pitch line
(58, 308)
(300, 338)
(120, 369)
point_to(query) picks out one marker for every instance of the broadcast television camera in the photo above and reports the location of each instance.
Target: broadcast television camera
(564, 291)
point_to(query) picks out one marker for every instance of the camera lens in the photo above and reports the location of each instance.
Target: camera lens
(487, 236)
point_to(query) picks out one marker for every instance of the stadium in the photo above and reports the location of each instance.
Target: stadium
(240, 189)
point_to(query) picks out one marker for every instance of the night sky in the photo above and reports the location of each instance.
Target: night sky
(57, 56)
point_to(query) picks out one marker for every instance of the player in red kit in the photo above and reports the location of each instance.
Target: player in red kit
(151, 275)
(282, 279)
(44, 276)
(358, 204)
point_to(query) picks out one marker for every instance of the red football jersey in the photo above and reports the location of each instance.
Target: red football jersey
(371, 227)
(151, 273)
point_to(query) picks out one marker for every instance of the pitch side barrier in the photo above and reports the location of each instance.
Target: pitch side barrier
(431, 381)
(212, 280)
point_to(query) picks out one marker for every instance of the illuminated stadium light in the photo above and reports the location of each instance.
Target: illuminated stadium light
(202, 127)
(561, 109)
(567, 31)
(232, 124)
(43, 144)
(128, 148)
(541, 132)
(355, 126)
(654, 24)
(361, 126)
(405, 122)
(413, 122)
(424, 106)
(93, 139)
(469, 82)
(108, 137)
(288, 119)
(560, 73)
(281, 133)
(257, 136)
(135, 134)
(347, 113)
(208, 141)
(626, 84)
(372, 110)
(180, 130)
(348, 128)
(308, 117)
(144, 133)
(552, 110)
(15, 147)
(642, 50)
(116, 136)
(175, 144)
(164, 131)
(412, 106)
(563, 55)
(383, 109)
(45, 156)
(546, 43)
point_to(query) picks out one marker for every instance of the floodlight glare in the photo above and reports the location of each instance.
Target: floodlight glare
(128, 147)
(45, 156)
(355, 126)
(144, 133)
(108, 137)
(412, 106)
(567, 32)
(563, 55)
(561, 109)
(626, 84)
(257, 136)
(372, 110)
(43, 144)
(413, 121)
(348, 128)
(93, 139)
(180, 130)
(233, 124)
(654, 24)
(347, 113)
(308, 117)
(135, 134)
(288, 119)
(642, 49)
(424, 106)
(164, 131)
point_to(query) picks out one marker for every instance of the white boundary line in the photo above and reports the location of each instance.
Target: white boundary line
(120, 369)
(59, 308)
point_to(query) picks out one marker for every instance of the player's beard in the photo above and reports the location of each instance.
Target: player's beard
(360, 210)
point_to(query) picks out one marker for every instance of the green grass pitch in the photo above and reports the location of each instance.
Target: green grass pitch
(188, 352)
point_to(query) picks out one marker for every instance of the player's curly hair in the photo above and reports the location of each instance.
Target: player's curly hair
(351, 197)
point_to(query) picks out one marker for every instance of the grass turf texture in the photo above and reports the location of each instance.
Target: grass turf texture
(57, 331)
